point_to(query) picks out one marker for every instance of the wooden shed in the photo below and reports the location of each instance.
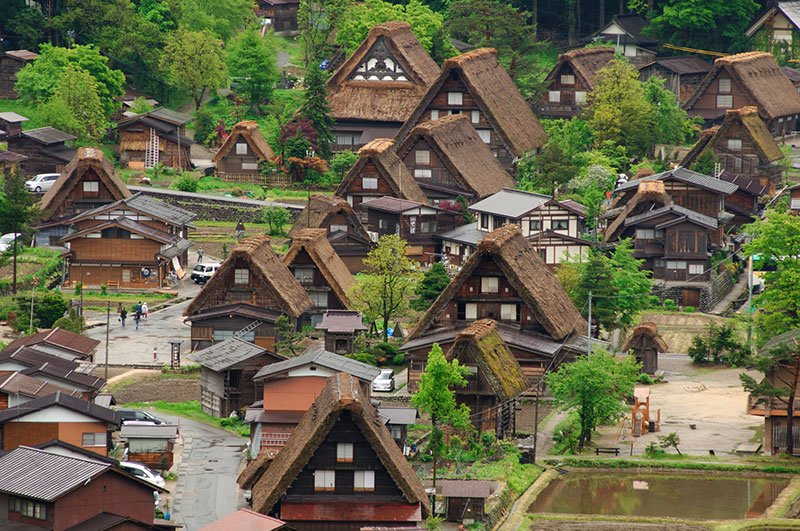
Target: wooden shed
(47, 149)
(228, 368)
(341, 328)
(11, 62)
(240, 156)
(155, 137)
(466, 499)
(11, 124)
(150, 444)
(646, 343)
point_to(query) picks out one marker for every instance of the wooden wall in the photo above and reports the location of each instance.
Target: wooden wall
(37, 161)
(8, 76)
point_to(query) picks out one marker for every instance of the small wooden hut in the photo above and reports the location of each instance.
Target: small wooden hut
(151, 445)
(466, 499)
(239, 157)
(646, 343)
(11, 62)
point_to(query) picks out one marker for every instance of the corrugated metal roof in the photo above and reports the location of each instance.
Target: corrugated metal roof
(392, 204)
(687, 176)
(48, 135)
(398, 415)
(44, 476)
(160, 209)
(510, 203)
(317, 355)
(22, 55)
(242, 309)
(466, 488)
(171, 116)
(469, 234)
(58, 398)
(220, 356)
(10, 156)
(683, 65)
(792, 11)
(691, 215)
(150, 431)
(341, 321)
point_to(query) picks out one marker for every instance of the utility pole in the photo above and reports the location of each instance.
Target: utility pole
(536, 419)
(33, 299)
(435, 454)
(589, 334)
(749, 303)
(108, 325)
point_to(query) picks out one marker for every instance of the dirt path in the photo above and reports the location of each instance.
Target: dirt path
(131, 373)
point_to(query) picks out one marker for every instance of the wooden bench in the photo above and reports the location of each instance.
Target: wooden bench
(112, 284)
(600, 450)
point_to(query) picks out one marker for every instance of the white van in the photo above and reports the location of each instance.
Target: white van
(202, 272)
(42, 182)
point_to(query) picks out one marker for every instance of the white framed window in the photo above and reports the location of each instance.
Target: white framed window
(725, 85)
(486, 135)
(92, 187)
(434, 114)
(241, 148)
(334, 228)
(241, 276)
(508, 312)
(364, 481)
(319, 298)
(422, 173)
(735, 144)
(580, 96)
(489, 285)
(93, 439)
(455, 98)
(476, 117)
(533, 225)
(737, 164)
(554, 96)
(369, 183)
(484, 221)
(383, 224)
(249, 165)
(471, 311)
(29, 508)
(724, 102)
(645, 234)
(567, 79)
(344, 452)
(676, 264)
(422, 157)
(304, 275)
(658, 262)
(696, 269)
(324, 480)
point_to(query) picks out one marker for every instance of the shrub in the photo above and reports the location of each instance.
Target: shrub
(719, 343)
(364, 357)
(688, 309)
(669, 304)
(204, 126)
(275, 217)
(186, 183)
(653, 451)
(566, 435)
(399, 358)
(644, 378)
(48, 307)
(103, 289)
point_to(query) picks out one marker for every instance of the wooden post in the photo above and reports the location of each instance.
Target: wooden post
(108, 325)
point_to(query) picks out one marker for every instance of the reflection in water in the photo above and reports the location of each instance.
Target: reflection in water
(703, 497)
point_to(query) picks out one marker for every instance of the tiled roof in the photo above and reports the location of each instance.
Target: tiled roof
(319, 356)
(341, 321)
(61, 338)
(687, 176)
(224, 354)
(60, 399)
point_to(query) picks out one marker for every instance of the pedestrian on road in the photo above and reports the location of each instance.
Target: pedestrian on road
(145, 311)
(199, 255)
(136, 317)
(122, 315)
(139, 307)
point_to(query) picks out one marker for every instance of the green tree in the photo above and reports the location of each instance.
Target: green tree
(193, 60)
(27, 26)
(75, 107)
(316, 108)
(73, 323)
(671, 123)
(618, 111)
(342, 162)
(706, 162)
(204, 126)
(18, 211)
(432, 284)
(544, 172)
(159, 13)
(223, 18)
(48, 307)
(670, 440)
(275, 217)
(390, 278)
(253, 59)
(140, 105)
(318, 21)
(595, 387)
(288, 339)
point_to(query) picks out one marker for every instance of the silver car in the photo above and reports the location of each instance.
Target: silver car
(384, 382)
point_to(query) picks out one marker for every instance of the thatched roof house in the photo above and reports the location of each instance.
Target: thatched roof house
(747, 79)
(646, 344)
(647, 192)
(379, 85)
(378, 172)
(458, 161)
(242, 151)
(488, 94)
(341, 415)
(571, 80)
(269, 284)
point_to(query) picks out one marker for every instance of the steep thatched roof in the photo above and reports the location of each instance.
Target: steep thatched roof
(766, 147)
(254, 470)
(268, 270)
(646, 191)
(377, 100)
(648, 330)
(585, 62)
(88, 158)
(319, 211)
(763, 81)
(342, 394)
(705, 137)
(481, 343)
(496, 95)
(528, 275)
(463, 152)
(381, 154)
(250, 133)
(315, 243)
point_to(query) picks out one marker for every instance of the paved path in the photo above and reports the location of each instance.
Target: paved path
(206, 489)
(283, 59)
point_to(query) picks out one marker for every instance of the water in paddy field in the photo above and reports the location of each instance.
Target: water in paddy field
(703, 497)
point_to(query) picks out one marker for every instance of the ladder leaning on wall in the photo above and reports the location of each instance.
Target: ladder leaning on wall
(151, 153)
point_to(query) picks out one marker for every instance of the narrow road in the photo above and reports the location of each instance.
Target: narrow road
(206, 489)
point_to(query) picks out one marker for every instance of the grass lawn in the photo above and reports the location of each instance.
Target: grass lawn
(191, 410)
(20, 108)
(508, 470)
(293, 47)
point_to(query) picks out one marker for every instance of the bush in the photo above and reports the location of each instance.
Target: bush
(364, 357)
(566, 435)
(688, 309)
(399, 358)
(275, 217)
(669, 304)
(186, 183)
(47, 309)
(718, 344)
(644, 378)
(653, 451)
(204, 126)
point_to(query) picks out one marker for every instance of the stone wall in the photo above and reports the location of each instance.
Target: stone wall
(711, 293)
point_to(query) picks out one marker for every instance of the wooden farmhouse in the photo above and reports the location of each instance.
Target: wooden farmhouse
(681, 75)
(571, 80)
(377, 173)
(68, 493)
(341, 468)
(776, 28)
(280, 15)
(466, 499)
(10, 162)
(374, 92)
(88, 182)
(794, 199)
(645, 344)
(291, 387)
(48, 150)
(227, 371)
(504, 280)
(58, 416)
(744, 146)
(11, 124)
(11, 62)
(59, 342)
(346, 234)
(49, 368)
(240, 156)
(341, 328)
(745, 202)
(254, 282)
(324, 275)
(477, 85)
(745, 80)
(626, 34)
(17, 388)
(414, 222)
(155, 137)
(151, 445)
(494, 381)
(448, 158)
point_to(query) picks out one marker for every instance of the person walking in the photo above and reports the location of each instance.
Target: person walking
(136, 317)
(200, 255)
(122, 315)
(145, 311)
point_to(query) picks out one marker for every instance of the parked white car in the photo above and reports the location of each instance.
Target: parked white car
(141, 471)
(42, 182)
(384, 381)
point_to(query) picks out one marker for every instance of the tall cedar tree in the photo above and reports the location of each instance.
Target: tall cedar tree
(193, 60)
(433, 283)
(782, 366)
(316, 108)
(17, 211)
(595, 387)
(252, 59)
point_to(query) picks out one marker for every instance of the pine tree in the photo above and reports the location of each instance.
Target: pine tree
(317, 110)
